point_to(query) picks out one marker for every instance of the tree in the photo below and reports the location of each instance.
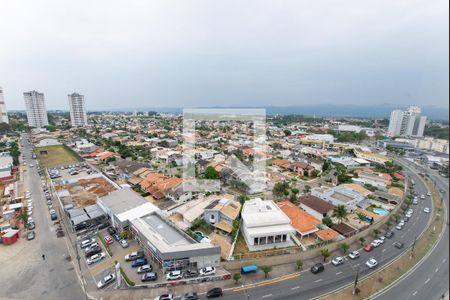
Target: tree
(295, 191)
(242, 198)
(388, 224)
(375, 232)
(287, 132)
(280, 189)
(211, 173)
(361, 217)
(266, 269)
(299, 264)
(362, 240)
(345, 247)
(24, 215)
(327, 221)
(325, 254)
(236, 277)
(340, 213)
(306, 189)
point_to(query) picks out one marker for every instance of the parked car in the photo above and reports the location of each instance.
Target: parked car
(30, 235)
(189, 296)
(429, 194)
(426, 210)
(31, 225)
(124, 243)
(108, 240)
(317, 268)
(371, 263)
(95, 258)
(399, 227)
(337, 261)
(389, 234)
(92, 251)
(207, 271)
(116, 237)
(398, 245)
(422, 196)
(174, 275)
(149, 276)
(111, 230)
(353, 255)
(376, 243)
(165, 297)
(368, 247)
(190, 274)
(134, 255)
(106, 280)
(144, 269)
(54, 217)
(139, 262)
(214, 293)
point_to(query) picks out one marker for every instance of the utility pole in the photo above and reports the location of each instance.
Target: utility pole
(412, 249)
(356, 281)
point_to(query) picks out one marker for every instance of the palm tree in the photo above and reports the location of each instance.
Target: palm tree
(340, 213)
(361, 217)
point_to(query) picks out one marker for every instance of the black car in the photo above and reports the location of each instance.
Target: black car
(93, 250)
(31, 225)
(317, 268)
(54, 217)
(111, 230)
(214, 293)
(30, 235)
(388, 234)
(150, 276)
(116, 237)
(398, 245)
(190, 274)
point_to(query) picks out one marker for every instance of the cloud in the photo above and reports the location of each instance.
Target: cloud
(200, 53)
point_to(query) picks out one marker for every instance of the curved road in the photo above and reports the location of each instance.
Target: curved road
(308, 285)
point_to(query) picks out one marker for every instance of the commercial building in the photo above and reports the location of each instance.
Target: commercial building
(6, 165)
(78, 116)
(3, 112)
(36, 110)
(265, 225)
(165, 244)
(407, 123)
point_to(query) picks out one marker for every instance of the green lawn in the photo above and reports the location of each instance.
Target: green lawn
(56, 156)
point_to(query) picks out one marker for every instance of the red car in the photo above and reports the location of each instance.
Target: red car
(108, 240)
(368, 248)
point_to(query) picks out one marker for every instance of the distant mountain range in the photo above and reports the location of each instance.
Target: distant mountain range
(324, 110)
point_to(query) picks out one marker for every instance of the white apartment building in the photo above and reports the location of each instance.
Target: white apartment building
(265, 225)
(3, 112)
(78, 116)
(36, 110)
(407, 123)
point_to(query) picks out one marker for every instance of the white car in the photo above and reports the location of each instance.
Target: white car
(87, 242)
(95, 258)
(408, 215)
(144, 269)
(371, 263)
(174, 275)
(106, 280)
(399, 227)
(376, 243)
(422, 197)
(382, 239)
(206, 271)
(353, 255)
(429, 194)
(124, 243)
(165, 297)
(426, 210)
(337, 261)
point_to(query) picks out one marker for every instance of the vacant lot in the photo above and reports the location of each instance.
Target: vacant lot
(52, 156)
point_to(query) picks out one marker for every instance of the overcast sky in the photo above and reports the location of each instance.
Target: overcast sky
(204, 53)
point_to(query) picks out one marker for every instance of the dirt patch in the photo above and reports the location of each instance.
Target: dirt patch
(85, 191)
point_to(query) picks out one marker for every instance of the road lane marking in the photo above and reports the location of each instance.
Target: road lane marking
(443, 261)
(268, 295)
(265, 283)
(318, 280)
(295, 288)
(415, 293)
(339, 273)
(437, 269)
(428, 280)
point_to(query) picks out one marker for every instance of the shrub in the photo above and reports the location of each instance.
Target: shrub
(125, 276)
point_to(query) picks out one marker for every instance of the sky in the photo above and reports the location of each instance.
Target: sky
(136, 54)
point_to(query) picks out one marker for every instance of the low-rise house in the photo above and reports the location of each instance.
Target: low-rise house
(339, 196)
(264, 225)
(344, 229)
(304, 223)
(316, 207)
(160, 189)
(221, 213)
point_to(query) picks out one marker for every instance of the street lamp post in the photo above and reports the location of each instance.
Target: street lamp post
(412, 249)
(356, 281)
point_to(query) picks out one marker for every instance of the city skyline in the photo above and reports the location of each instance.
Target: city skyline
(230, 62)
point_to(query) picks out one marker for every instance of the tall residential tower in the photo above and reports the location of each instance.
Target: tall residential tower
(407, 123)
(36, 111)
(78, 117)
(3, 112)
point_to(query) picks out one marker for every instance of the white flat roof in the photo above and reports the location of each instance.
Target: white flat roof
(270, 230)
(137, 212)
(259, 213)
